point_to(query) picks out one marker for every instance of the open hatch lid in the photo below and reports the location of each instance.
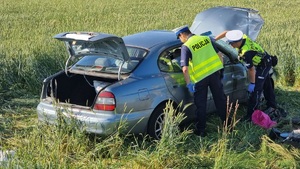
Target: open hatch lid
(80, 43)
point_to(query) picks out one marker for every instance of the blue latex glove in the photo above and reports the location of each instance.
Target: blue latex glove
(191, 87)
(251, 87)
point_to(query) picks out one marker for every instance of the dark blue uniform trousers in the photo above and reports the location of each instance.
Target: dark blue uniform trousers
(212, 81)
(262, 84)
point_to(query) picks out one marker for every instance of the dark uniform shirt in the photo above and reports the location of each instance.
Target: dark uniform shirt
(247, 57)
(186, 54)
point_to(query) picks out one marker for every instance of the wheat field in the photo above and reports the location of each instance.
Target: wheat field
(29, 53)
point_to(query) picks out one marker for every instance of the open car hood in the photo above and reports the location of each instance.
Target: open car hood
(221, 18)
(80, 43)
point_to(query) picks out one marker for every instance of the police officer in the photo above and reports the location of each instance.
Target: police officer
(201, 63)
(258, 63)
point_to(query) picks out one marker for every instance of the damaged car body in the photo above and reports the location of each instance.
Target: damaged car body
(108, 79)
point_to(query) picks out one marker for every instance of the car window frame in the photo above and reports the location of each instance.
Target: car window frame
(169, 63)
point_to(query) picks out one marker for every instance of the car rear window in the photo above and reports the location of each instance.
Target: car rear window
(104, 64)
(136, 53)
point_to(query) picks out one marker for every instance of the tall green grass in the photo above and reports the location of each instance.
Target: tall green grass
(29, 53)
(65, 146)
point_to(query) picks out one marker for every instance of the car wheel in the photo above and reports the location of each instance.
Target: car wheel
(156, 122)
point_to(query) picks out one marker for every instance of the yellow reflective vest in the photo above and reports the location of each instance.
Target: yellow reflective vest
(205, 61)
(250, 45)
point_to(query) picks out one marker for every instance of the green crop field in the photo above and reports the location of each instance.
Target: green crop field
(29, 53)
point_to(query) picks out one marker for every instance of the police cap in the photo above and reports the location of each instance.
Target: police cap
(180, 30)
(234, 36)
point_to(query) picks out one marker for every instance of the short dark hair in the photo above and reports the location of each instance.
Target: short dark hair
(187, 32)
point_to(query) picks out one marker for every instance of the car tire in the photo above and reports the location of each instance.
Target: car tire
(156, 121)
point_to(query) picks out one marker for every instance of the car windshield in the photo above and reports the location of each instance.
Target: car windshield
(105, 64)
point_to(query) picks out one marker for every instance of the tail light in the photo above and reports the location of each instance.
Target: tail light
(105, 101)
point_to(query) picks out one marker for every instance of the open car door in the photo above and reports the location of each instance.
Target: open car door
(221, 18)
(215, 21)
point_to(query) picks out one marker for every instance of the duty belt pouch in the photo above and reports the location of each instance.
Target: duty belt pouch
(266, 60)
(274, 60)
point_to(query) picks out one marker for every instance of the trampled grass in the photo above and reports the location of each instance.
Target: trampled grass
(29, 53)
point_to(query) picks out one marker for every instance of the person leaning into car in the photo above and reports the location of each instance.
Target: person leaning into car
(258, 63)
(201, 63)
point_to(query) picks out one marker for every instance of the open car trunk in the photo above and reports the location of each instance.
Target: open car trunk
(80, 83)
(74, 89)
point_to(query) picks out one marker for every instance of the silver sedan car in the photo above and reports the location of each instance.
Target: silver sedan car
(109, 79)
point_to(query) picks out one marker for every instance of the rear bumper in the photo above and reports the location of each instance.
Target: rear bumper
(103, 123)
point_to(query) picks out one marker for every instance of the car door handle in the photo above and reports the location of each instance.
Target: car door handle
(176, 86)
(236, 76)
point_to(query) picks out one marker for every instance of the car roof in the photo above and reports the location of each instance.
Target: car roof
(149, 39)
